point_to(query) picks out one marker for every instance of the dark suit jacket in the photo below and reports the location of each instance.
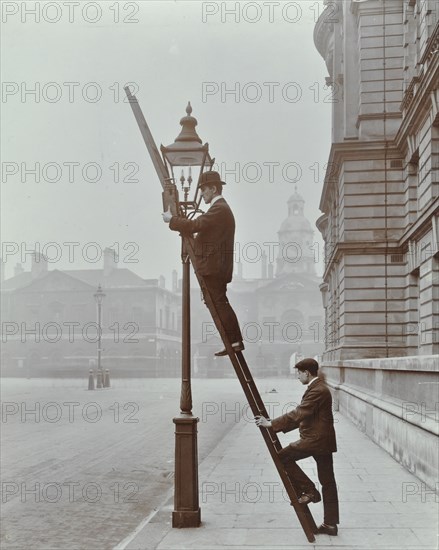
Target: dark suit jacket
(314, 419)
(214, 242)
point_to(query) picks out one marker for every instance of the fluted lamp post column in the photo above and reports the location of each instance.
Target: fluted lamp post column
(186, 159)
(99, 297)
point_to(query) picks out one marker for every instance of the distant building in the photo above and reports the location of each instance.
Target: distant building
(380, 221)
(49, 317)
(49, 322)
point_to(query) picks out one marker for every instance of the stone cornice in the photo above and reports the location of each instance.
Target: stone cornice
(354, 150)
(416, 363)
(374, 7)
(424, 82)
(419, 228)
(377, 116)
(432, 45)
(415, 232)
(323, 31)
(418, 102)
(409, 94)
(396, 148)
(322, 223)
(342, 249)
(429, 59)
(355, 5)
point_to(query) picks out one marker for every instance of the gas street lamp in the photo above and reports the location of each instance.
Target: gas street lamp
(186, 159)
(99, 297)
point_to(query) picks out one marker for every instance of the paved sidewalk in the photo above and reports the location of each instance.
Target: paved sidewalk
(243, 504)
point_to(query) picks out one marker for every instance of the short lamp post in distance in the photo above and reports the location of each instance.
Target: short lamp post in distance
(186, 159)
(99, 296)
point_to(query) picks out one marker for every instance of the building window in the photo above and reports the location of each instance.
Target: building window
(413, 177)
(167, 317)
(137, 315)
(435, 275)
(435, 227)
(413, 313)
(56, 311)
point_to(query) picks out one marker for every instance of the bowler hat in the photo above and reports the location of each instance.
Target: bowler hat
(210, 178)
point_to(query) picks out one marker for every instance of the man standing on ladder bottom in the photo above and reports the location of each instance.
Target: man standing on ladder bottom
(315, 421)
(214, 250)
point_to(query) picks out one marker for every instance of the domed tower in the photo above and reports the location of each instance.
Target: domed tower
(296, 252)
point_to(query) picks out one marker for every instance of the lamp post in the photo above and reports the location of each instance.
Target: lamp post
(186, 159)
(99, 296)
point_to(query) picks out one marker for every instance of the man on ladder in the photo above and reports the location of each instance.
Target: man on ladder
(214, 249)
(315, 421)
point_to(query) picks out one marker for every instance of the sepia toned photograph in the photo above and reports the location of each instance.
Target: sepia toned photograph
(219, 275)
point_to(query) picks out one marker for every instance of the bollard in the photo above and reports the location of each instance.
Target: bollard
(91, 381)
(99, 379)
(107, 379)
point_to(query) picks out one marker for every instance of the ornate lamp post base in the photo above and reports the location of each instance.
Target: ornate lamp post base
(186, 505)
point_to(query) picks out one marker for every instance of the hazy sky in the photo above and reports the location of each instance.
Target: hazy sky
(75, 126)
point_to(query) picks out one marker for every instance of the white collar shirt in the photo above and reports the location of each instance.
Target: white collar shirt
(217, 198)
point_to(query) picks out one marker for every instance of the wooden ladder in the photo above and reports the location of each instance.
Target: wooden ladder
(237, 359)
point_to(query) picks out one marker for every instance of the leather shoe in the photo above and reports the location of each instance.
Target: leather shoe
(239, 346)
(306, 498)
(327, 530)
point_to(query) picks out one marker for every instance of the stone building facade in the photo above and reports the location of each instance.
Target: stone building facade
(380, 222)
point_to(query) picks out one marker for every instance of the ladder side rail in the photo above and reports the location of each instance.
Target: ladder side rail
(156, 159)
(251, 383)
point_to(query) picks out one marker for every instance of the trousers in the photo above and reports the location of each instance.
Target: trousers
(217, 289)
(302, 484)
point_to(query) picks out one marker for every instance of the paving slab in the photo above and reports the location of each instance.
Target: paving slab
(243, 504)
